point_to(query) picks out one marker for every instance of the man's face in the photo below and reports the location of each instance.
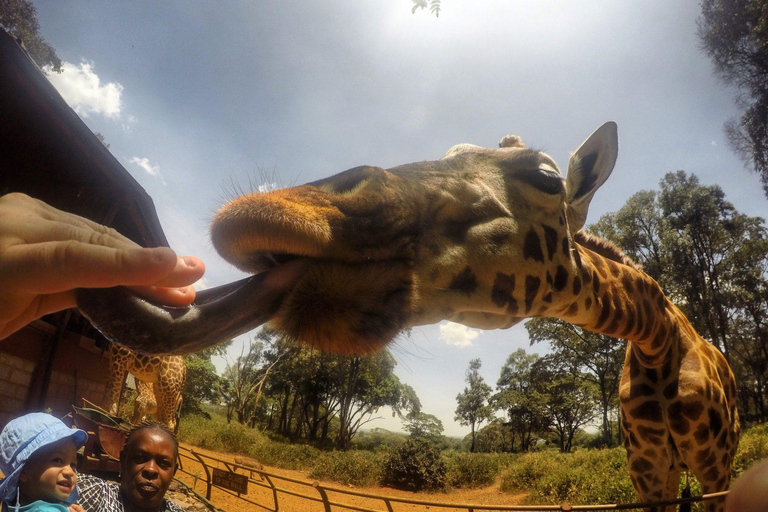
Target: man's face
(49, 474)
(148, 466)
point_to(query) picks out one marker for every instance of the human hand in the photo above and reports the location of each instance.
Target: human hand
(76, 508)
(45, 254)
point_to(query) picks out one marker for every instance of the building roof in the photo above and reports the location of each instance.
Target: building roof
(48, 152)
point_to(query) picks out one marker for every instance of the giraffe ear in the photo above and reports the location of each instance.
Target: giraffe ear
(588, 168)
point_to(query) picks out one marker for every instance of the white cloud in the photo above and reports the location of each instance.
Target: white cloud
(82, 89)
(457, 334)
(152, 170)
(267, 187)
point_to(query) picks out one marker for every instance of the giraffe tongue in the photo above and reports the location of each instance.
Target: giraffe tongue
(217, 315)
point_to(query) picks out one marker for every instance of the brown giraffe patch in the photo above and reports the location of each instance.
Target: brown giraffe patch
(532, 247)
(650, 411)
(550, 238)
(532, 285)
(465, 282)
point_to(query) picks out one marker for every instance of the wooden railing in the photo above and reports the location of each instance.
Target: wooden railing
(274, 484)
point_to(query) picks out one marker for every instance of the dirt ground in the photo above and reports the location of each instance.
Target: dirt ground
(262, 495)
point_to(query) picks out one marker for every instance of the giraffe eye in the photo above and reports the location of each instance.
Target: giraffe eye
(546, 180)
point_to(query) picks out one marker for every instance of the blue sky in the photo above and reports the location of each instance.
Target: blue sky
(200, 100)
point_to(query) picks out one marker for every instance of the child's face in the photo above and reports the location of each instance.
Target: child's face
(49, 474)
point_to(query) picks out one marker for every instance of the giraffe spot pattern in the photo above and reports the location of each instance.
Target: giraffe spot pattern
(715, 421)
(650, 410)
(532, 247)
(501, 293)
(576, 285)
(550, 238)
(641, 465)
(464, 282)
(701, 434)
(532, 285)
(561, 279)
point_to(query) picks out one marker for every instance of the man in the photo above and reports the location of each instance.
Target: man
(148, 463)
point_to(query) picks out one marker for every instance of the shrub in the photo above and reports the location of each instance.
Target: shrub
(356, 467)
(283, 455)
(472, 470)
(415, 466)
(753, 446)
(583, 477)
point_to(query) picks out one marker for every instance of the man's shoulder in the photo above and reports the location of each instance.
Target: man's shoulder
(97, 495)
(172, 506)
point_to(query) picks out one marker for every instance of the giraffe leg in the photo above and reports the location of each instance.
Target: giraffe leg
(652, 479)
(112, 393)
(145, 402)
(673, 489)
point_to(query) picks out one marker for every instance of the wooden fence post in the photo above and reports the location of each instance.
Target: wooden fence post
(323, 495)
(274, 489)
(207, 474)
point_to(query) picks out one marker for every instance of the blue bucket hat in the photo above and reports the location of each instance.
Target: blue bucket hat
(25, 435)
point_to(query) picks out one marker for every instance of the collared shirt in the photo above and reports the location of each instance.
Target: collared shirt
(97, 495)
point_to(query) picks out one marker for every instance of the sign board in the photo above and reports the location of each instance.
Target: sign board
(231, 481)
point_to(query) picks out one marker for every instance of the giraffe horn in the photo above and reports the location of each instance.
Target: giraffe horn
(217, 315)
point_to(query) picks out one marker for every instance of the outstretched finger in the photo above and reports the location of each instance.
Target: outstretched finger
(188, 270)
(175, 297)
(52, 267)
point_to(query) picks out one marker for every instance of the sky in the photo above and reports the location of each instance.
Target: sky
(203, 100)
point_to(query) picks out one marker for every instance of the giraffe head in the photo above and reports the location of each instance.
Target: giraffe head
(482, 237)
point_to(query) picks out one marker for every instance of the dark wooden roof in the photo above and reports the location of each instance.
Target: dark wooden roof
(48, 152)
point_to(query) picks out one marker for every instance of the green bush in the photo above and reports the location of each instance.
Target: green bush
(288, 456)
(214, 434)
(753, 446)
(415, 466)
(360, 468)
(472, 470)
(378, 440)
(583, 477)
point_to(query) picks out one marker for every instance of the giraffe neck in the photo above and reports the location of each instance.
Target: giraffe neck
(618, 300)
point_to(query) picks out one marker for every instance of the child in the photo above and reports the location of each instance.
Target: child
(38, 454)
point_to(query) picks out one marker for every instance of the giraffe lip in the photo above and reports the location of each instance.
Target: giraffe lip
(218, 314)
(267, 260)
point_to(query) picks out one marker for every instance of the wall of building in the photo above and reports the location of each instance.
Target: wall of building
(80, 370)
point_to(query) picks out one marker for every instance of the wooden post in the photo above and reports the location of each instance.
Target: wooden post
(323, 495)
(207, 475)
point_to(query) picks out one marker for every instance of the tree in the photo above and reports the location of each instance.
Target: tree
(734, 33)
(594, 358)
(244, 376)
(203, 384)
(712, 261)
(432, 5)
(495, 437)
(521, 395)
(424, 426)
(473, 408)
(19, 18)
(365, 385)
(570, 398)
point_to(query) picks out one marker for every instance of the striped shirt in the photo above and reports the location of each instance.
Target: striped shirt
(97, 495)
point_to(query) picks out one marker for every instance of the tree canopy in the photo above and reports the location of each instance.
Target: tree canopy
(734, 33)
(19, 18)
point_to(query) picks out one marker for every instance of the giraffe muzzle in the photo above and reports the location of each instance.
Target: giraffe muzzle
(217, 315)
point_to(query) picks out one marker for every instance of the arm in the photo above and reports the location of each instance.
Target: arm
(45, 254)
